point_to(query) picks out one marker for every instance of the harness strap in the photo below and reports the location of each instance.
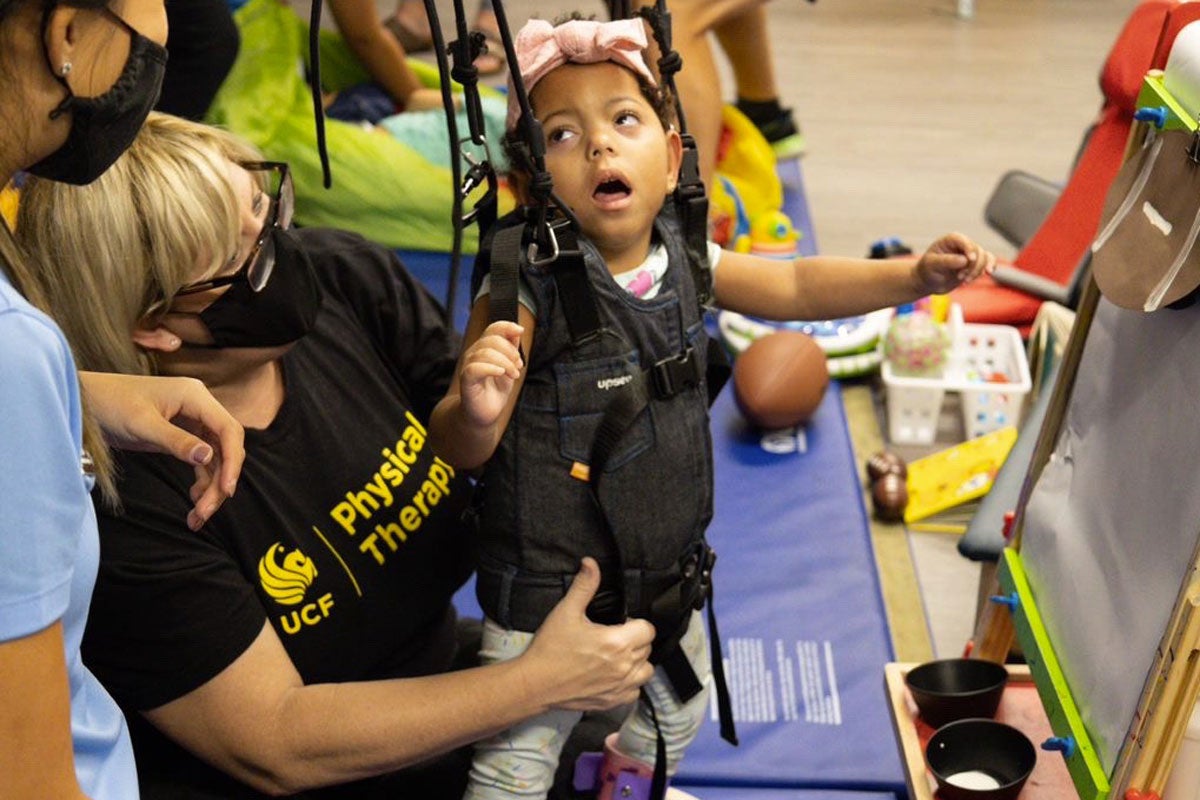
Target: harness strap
(683, 678)
(724, 705)
(505, 272)
(658, 784)
(696, 590)
(692, 204)
(574, 288)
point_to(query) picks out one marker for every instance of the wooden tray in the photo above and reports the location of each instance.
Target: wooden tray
(1020, 707)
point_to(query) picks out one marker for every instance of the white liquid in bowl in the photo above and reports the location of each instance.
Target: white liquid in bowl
(973, 779)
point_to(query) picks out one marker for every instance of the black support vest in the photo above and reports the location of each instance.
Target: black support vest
(538, 513)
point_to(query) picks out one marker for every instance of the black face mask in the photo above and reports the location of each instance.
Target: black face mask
(103, 127)
(283, 312)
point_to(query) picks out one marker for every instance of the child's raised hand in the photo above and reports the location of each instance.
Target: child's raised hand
(951, 261)
(489, 368)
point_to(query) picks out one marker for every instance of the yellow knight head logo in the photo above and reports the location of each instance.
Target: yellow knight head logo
(286, 583)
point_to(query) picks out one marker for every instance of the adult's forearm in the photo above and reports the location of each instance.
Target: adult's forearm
(327, 734)
(258, 722)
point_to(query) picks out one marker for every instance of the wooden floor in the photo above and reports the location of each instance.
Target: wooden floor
(911, 115)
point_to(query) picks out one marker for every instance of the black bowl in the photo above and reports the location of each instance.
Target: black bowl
(956, 688)
(980, 759)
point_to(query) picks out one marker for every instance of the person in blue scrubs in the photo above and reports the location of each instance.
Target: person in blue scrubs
(77, 79)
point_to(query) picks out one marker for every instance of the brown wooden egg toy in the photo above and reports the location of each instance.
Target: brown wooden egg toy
(889, 495)
(885, 462)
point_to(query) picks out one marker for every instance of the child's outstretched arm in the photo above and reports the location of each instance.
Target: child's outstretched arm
(466, 425)
(828, 287)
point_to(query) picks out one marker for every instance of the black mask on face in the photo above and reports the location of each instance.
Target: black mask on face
(283, 312)
(103, 127)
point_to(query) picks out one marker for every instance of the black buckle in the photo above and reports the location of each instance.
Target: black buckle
(696, 577)
(607, 607)
(672, 375)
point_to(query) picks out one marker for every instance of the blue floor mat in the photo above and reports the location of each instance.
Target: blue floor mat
(800, 610)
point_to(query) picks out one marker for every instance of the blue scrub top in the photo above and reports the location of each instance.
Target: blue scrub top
(49, 543)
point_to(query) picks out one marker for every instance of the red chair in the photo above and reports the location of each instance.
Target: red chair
(1051, 264)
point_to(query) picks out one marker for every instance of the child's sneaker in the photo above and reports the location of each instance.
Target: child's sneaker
(777, 125)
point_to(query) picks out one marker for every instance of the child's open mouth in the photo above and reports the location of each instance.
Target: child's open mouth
(611, 191)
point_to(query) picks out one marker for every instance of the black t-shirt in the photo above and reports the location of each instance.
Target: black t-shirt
(345, 531)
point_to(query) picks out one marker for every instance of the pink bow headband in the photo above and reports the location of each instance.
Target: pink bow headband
(542, 47)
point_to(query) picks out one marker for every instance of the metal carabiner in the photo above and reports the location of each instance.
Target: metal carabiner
(477, 174)
(532, 252)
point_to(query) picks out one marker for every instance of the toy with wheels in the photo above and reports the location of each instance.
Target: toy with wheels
(851, 344)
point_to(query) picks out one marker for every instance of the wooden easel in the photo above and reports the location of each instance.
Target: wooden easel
(1171, 691)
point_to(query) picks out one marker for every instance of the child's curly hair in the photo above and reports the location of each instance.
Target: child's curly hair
(515, 150)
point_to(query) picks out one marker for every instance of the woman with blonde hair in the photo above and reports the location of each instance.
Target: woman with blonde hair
(304, 637)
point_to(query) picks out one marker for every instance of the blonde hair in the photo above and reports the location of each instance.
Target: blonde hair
(101, 258)
(112, 253)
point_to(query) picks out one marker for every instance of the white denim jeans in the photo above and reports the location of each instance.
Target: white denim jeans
(521, 761)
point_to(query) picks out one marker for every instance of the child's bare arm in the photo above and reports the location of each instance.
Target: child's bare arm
(827, 287)
(466, 425)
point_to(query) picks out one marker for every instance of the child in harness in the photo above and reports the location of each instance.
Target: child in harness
(588, 413)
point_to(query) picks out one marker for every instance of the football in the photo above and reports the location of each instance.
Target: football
(779, 380)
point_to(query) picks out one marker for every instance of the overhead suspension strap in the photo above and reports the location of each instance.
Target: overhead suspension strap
(314, 63)
(691, 199)
(473, 148)
(532, 145)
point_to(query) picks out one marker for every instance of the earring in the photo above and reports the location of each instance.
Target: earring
(65, 69)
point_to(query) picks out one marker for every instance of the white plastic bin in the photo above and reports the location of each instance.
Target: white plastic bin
(980, 356)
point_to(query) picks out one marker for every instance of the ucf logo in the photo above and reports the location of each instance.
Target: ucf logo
(287, 582)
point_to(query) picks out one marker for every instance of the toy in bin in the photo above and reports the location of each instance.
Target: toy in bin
(985, 364)
(915, 343)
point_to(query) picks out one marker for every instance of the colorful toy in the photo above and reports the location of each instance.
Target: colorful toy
(8, 205)
(729, 225)
(850, 344)
(915, 345)
(773, 235)
(958, 474)
(747, 161)
(780, 379)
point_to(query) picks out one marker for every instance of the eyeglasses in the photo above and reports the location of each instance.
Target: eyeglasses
(276, 181)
